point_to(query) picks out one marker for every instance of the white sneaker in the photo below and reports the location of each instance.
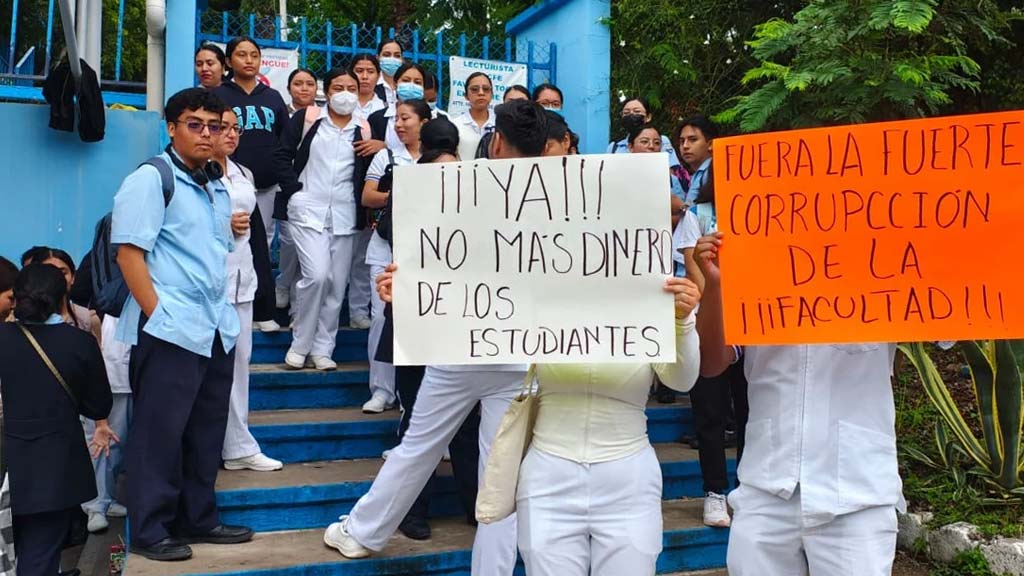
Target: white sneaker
(281, 297)
(323, 363)
(97, 523)
(336, 536)
(375, 405)
(268, 326)
(294, 360)
(384, 455)
(716, 515)
(258, 462)
(359, 323)
(116, 510)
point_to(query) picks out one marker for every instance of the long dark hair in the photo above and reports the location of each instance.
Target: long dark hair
(39, 292)
(233, 44)
(707, 187)
(38, 255)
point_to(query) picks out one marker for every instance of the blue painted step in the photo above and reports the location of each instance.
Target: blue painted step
(687, 546)
(314, 495)
(270, 347)
(347, 433)
(272, 387)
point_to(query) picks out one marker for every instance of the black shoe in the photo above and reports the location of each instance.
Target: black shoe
(167, 550)
(665, 395)
(223, 534)
(415, 528)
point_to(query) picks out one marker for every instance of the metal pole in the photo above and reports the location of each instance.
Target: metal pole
(67, 19)
(283, 9)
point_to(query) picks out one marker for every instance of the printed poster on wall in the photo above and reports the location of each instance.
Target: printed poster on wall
(555, 260)
(502, 75)
(275, 66)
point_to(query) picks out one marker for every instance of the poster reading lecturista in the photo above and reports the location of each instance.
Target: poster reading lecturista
(502, 75)
(559, 259)
(885, 232)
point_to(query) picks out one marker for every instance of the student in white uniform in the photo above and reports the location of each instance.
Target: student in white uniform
(819, 483)
(324, 218)
(411, 115)
(448, 394)
(240, 450)
(430, 95)
(410, 79)
(590, 487)
(389, 54)
(366, 69)
(478, 120)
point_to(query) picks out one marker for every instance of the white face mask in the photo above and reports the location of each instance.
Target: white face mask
(344, 103)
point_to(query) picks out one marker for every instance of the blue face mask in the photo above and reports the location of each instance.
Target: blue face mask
(409, 91)
(555, 110)
(389, 65)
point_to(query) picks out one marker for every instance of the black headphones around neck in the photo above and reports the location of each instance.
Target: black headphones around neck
(202, 175)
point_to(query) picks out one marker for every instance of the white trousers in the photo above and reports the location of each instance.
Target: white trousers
(288, 260)
(238, 441)
(382, 374)
(107, 467)
(768, 537)
(360, 285)
(599, 519)
(265, 200)
(324, 263)
(445, 399)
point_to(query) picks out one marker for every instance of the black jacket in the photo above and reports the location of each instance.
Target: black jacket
(296, 148)
(264, 116)
(59, 90)
(47, 457)
(378, 122)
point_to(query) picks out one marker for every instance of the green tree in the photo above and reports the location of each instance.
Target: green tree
(684, 56)
(847, 61)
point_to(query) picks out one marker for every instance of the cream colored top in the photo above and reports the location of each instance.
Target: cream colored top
(596, 412)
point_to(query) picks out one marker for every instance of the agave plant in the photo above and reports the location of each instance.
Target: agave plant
(996, 368)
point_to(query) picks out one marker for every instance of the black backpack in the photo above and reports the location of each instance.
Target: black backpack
(108, 286)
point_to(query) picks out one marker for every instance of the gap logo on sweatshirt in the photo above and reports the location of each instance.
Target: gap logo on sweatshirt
(253, 119)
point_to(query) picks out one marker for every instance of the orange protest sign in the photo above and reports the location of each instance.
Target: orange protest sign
(894, 231)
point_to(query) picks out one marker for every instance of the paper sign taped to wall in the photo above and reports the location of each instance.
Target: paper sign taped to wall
(895, 231)
(558, 259)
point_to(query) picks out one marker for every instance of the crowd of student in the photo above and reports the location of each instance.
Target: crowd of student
(159, 380)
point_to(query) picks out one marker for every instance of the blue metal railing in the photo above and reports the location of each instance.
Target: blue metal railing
(331, 45)
(22, 72)
(320, 44)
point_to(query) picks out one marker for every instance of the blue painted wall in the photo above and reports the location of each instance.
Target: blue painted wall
(53, 186)
(584, 61)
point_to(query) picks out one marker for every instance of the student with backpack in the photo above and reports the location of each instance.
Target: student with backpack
(324, 218)
(182, 328)
(410, 116)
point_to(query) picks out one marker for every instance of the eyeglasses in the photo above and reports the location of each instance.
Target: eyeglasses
(234, 128)
(479, 89)
(648, 142)
(196, 126)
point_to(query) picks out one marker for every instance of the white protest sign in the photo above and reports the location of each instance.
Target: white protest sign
(275, 66)
(557, 259)
(502, 75)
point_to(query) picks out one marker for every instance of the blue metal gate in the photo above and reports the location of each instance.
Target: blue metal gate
(322, 45)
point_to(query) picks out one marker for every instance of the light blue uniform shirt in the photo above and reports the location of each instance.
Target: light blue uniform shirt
(622, 147)
(186, 248)
(696, 181)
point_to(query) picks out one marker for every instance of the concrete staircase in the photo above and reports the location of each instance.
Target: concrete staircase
(313, 422)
